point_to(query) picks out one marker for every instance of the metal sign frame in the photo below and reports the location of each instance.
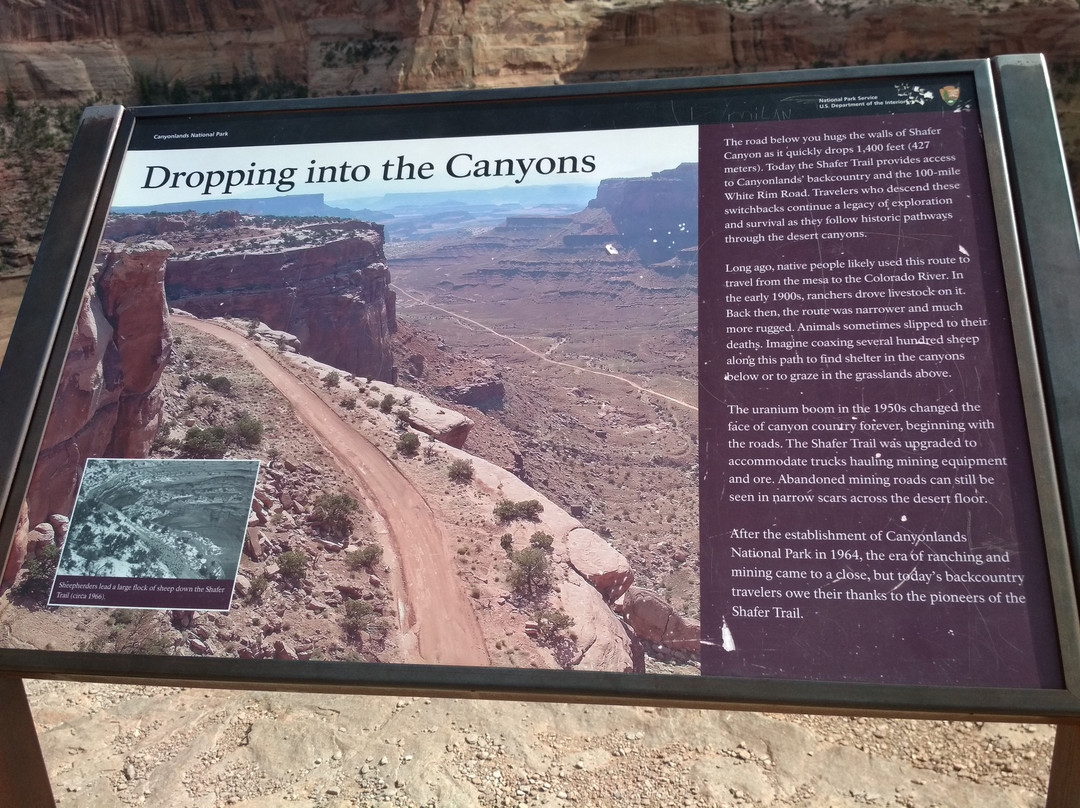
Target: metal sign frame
(1038, 239)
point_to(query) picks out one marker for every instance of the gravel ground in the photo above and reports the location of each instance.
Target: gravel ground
(109, 745)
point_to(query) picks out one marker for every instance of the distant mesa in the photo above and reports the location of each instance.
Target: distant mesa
(656, 215)
(285, 205)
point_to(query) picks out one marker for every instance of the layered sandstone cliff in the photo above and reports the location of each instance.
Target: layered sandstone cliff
(108, 403)
(655, 215)
(113, 50)
(80, 48)
(326, 283)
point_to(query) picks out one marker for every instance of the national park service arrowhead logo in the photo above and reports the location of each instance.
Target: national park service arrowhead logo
(950, 94)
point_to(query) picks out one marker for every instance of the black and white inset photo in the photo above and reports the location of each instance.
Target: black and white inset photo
(155, 520)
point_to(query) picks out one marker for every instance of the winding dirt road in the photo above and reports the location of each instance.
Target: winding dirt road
(436, 611)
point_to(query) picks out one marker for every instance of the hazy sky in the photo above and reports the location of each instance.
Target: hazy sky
(372, 168)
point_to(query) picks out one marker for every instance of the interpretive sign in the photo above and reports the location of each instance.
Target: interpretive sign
(868, 452)
(731, 381)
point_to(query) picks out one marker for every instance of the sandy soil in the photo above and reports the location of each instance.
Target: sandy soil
(110, 746)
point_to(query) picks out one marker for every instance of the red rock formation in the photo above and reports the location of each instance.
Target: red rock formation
(122, 227)
(656, 215)
(80, 47)
(699, 38)
(334, 297)
(107, 403)
(602, 640)
(599, 563)
(17, 555)
(652, 618)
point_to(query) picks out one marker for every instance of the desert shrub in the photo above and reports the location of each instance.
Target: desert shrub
(39, 572)
(408, 444)
(332, 379)
(293, 564)
(542, 540)
(131, 631)
(387, 403)
(507, 511)
(461, 471)
(348, 403)
(155, 88)
(359, 617)
(552, 623)
(220, 384)
(161, 437)
(530, 571)
(334, 512)
(366, 557)
(246, 430)
(506, 541)
(204, 443)
(258, 588)
(403, 415)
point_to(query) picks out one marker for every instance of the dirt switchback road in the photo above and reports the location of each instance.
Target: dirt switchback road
(436, 611)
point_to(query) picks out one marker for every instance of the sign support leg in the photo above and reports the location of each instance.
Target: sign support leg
(24, 780)
(1064, 788)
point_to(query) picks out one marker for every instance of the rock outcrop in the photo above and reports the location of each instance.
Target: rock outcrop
(599, 563)
(430, 418)
(107, 403)
(326, 284)
(485, 394)
(416, 410)
(17, 555)
(656, 215)
(602, 642)
(117, 50)
(80, 48)
(653, 619)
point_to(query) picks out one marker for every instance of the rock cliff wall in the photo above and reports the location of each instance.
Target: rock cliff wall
(655, 215)
(331, 289)
(78, 48)
(108, 402)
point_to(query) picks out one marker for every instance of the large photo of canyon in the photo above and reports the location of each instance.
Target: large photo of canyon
(473, 400)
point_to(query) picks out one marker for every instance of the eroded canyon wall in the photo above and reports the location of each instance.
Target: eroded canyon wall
(108, 403)
(330, 288)
(79, 51)
(79, 48)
